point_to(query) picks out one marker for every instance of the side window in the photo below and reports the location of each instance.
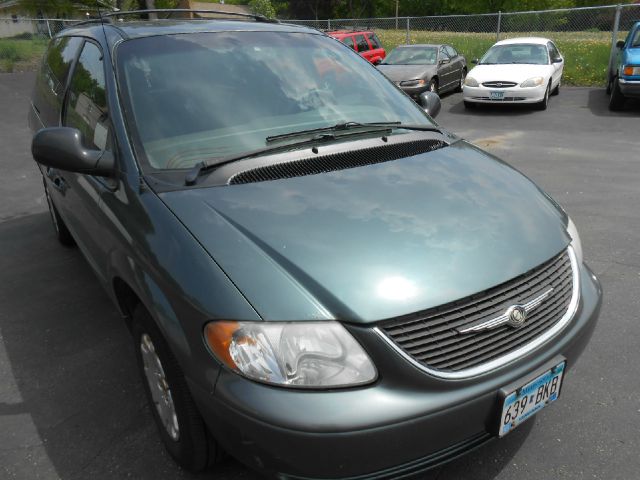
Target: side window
(59, 57)
(362, 43)
(86, 107)
(451, 51)
(443, 54)
(374, 40)
(348, 41)
(553, 51)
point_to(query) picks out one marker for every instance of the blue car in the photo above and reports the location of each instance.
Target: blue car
(624, 82)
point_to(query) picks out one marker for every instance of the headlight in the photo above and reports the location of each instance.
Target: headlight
(413, 83)
(575, 239)
(532, 82)
(295, 354)
(470, 82)
(629, 70)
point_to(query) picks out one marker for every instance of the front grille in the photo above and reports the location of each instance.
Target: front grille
(432, 337)
(499, 84)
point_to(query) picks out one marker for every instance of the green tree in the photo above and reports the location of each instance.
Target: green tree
(262, 7)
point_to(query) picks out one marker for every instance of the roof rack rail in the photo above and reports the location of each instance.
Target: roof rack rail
(170, 11)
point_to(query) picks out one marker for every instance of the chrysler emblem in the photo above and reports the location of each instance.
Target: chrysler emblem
(515, 315)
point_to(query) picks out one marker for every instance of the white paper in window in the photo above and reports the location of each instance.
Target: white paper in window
(100, 136)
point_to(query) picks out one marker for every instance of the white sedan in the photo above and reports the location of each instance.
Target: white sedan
(518, 70)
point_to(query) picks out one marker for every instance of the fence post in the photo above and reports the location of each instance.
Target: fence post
(499, 25)
(48, 28)
(614, 39)
(408, 34)
(328, 24)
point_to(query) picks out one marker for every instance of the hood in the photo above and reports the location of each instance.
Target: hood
(375, 242)
(510, 73)
(398, 73)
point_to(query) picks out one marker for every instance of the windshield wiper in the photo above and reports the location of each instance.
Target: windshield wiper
(322, 134)
(333, 128)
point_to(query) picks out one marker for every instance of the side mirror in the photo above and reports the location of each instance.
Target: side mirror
(431, 103)
(475, 61)
(620, 44)
(62, 148)
(444, 60)
(557, 60)
(377, 61)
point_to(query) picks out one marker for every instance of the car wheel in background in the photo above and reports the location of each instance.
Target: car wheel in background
(609, 82)
(62, 232)
(181, 427)
(463, 75)
(616, 100)
(433, 85)
(556, 90)
(542, 105)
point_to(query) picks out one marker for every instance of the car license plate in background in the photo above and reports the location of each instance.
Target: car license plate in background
(529, 399)
(496, 95)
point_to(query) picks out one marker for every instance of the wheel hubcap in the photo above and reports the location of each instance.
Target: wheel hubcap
(159, 387)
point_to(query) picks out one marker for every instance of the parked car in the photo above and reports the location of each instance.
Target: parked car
(624, 81)
(366, 43)
(517, 70)
(418, 68)
(311, 273)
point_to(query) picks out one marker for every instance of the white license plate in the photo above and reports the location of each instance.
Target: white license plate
(523, 402)
(496, 95)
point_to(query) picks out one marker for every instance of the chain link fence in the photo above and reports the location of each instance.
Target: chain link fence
(585, 36)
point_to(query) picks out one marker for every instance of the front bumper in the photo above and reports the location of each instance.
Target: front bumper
(511, 95)
(405, 423)
(629, 87)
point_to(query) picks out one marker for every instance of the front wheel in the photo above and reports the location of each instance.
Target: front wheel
(181, 427)
(463, 75)
(433, 85)
(616, 100)
(542, 105)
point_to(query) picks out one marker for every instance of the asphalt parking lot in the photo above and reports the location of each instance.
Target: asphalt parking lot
(72, 405)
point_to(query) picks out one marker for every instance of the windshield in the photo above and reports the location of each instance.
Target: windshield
(412, 56)
(195, 97)
(516, 53)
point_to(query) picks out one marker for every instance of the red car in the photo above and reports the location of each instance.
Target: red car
(366, 43)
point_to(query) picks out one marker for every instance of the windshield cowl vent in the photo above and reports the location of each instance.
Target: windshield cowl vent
(336, 161)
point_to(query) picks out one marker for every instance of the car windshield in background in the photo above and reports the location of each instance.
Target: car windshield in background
(412, 56)
(516, 53)
(196, 97)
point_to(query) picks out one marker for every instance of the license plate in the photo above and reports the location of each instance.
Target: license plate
(523, 402)
(496, 95)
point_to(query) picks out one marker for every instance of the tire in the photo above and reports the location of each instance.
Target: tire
(469, 105)
(433, 85)
(463, 75)
(608, 89)
(59, 227)
(616, 100)
(187, 439)
(545, 101)
(556, 91)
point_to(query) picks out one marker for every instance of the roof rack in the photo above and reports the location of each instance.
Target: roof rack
(170, 11)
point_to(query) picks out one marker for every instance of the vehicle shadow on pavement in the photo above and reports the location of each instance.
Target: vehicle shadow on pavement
(78, 388)
(598, 103)
(484, 110)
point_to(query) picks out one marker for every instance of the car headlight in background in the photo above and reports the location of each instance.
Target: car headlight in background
(294, 354)
(575, 239)
(471, 82)
(532, 82)
(413, 83)
(630, 70)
